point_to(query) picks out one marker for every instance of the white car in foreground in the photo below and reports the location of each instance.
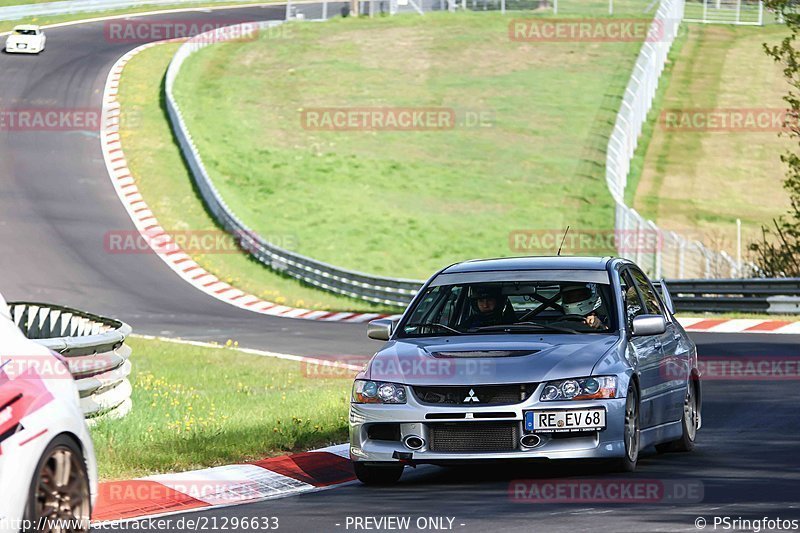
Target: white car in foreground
(48, 472)
(26, 39)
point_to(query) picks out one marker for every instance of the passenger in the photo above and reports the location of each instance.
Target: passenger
(487, 306)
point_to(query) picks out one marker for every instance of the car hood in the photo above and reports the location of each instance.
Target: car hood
(488, 359)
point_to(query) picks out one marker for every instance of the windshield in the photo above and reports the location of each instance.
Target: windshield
(512, 307)
(25, 32)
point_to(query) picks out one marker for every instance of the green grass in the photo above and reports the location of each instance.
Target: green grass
(196, 407)
(166, 185)
(697, 182)
(407, 203)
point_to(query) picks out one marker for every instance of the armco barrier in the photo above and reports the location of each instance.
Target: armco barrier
(773, 296)
(94, 348)
(334, 279)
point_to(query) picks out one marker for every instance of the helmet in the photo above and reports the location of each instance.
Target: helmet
(578, 299)
(486, 292)
(479, 292)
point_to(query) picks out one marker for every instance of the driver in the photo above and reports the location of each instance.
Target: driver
(487, 307)
(581, 300)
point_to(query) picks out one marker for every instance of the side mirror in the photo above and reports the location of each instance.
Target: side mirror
(644, 325)
(380, 329)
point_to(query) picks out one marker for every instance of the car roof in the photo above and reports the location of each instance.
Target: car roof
(26, 27)
(530, 263)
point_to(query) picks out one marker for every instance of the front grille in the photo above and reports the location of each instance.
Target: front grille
(473, 436)
(479, 395)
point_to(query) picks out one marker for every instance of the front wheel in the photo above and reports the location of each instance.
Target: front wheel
(631, 432)
(371, 474)
(59, 496)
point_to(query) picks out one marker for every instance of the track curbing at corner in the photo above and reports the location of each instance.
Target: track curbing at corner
(223, 486)
(148, 227)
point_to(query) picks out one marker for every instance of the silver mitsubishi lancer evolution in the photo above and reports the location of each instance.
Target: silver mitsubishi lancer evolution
(526, 358)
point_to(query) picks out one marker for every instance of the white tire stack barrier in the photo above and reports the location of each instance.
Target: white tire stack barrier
(94, 348)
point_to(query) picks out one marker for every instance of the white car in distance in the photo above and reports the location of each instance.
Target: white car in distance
(26, 39)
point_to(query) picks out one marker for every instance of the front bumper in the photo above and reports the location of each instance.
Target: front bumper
(411, 418)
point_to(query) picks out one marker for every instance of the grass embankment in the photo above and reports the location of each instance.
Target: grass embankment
(196, 407)
(700, 182)
(404, 203)
(165, 183)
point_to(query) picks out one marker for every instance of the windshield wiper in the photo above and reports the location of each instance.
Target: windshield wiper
(435, 325)
(527, 326)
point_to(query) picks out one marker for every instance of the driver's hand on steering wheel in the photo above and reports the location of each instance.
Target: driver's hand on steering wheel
(593, 321)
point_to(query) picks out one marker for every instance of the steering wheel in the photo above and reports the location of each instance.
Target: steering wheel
(573, 317)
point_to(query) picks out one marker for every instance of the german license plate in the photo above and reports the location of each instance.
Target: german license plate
(565, 420)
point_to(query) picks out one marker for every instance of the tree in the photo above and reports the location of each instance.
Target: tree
(778, 251)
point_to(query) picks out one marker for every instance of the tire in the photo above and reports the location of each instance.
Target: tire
(388, 474)
(689, 423)
(71, 496)
(631, 432)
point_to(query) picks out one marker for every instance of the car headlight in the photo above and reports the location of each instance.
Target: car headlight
(365, 391)
(580, 389)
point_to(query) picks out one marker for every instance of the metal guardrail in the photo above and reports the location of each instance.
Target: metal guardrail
(94, 348)
(87, 6)
(377, 289)
(676, 256)
(755, 295)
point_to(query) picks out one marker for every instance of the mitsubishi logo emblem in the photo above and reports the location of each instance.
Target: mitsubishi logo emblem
(471, 397)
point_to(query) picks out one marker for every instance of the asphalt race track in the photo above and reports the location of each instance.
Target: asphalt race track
(745, 462)
(57, 202)
(56, 190)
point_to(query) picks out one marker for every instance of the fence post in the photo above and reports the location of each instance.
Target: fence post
(503, 7)
(288, 10)
(325, 10)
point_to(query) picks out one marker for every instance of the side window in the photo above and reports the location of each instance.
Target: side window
(447, 312)
(633, 303)
(650, 298)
